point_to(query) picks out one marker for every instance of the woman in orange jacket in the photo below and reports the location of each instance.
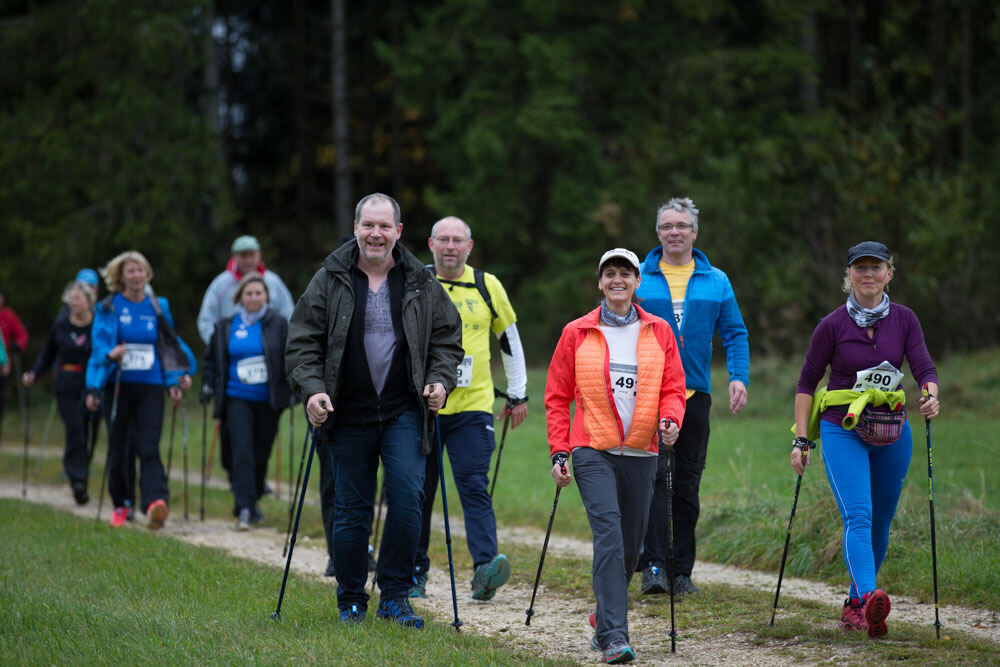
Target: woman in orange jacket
(621, 366)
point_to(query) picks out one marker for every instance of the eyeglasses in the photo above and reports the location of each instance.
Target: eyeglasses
(679, 226)
(450, 240)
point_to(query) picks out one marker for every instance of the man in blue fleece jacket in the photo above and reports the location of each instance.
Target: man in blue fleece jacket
(696, 299)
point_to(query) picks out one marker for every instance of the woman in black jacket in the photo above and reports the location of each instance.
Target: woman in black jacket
(67, 351)
(245, 372)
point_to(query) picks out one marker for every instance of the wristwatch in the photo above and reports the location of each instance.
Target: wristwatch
(803, 444)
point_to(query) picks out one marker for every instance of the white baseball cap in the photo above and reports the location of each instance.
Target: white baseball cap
(624, 253)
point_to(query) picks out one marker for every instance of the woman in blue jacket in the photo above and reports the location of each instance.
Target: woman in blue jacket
(245, 372)
(135, 354)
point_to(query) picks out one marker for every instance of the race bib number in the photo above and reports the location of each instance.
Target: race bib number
(138, 357)
(623, 381)
(252, 370)
(678, 305)
(465, 372)
(885, 376)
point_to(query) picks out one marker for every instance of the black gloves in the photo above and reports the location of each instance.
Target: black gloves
(206, 394)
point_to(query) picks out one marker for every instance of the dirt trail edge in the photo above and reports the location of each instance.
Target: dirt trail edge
(559, 628)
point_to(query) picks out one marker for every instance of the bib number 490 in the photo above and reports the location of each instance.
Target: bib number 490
(885, 377)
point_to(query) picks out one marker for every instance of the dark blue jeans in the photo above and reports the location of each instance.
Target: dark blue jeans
(356, 451)
(468, 437)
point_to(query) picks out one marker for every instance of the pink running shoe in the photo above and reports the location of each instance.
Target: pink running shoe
(157, 514)
(851, 617)
(118, 517)
(876, 608)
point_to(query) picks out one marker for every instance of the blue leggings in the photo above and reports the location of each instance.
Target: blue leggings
(866, 481)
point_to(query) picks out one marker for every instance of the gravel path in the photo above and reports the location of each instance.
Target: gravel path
(559, 628)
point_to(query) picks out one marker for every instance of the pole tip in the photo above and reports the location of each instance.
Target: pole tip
(276, 616)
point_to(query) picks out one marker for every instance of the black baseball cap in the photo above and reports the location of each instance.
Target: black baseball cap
(868, 249)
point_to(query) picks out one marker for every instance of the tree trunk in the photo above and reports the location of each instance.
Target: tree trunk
(808, 90)
(965, 80)
(301, 113)
(210, 111)
(938, 37)
(341, 132)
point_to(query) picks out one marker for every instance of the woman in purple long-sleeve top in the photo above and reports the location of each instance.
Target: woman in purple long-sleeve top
(864, 344)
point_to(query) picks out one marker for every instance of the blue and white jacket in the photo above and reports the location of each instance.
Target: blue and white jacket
(104, 336)
(709, 305)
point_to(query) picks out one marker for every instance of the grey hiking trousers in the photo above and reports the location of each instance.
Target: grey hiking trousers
(616, 492)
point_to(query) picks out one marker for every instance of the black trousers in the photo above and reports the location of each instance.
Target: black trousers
(75, 418)
(252, 426)
(140, 411)
(689, 452)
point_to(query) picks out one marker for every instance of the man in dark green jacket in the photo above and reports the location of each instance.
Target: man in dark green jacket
(374, 345)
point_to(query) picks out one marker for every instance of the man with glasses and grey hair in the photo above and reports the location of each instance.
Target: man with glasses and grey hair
(696, 299)
(467, 429)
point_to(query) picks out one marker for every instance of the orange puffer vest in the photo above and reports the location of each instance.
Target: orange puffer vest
(580, 371)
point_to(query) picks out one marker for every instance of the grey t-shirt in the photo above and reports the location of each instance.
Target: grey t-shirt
(380, 339)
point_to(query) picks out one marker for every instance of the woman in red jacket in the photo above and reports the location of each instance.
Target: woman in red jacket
(621, 366)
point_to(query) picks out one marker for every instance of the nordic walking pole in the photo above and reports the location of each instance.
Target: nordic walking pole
(447, 528)
(503, 438)
(930, 489)
(298, 515)
(170, 447)
(184, 450)
(211, 450)
(545, 545)
(22, 395)
(277, 466)
(204, 444)
(298, 482)
(111, 425)
(93, 422)
(788, 534)
(670, 536)
(291, 449)
(45, 439)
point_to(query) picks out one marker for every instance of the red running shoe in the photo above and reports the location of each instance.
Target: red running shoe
(157, 514)
(851, 617)
(876, 608)
(118, 517)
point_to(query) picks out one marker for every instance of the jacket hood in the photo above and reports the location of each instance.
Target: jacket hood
(652, 262)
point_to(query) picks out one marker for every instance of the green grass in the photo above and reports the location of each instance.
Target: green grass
(78, 592)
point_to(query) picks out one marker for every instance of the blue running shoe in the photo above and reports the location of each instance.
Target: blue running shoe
(400, 611)
(489, 577)
(353, 614)
(617, 652)
(418, 589)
